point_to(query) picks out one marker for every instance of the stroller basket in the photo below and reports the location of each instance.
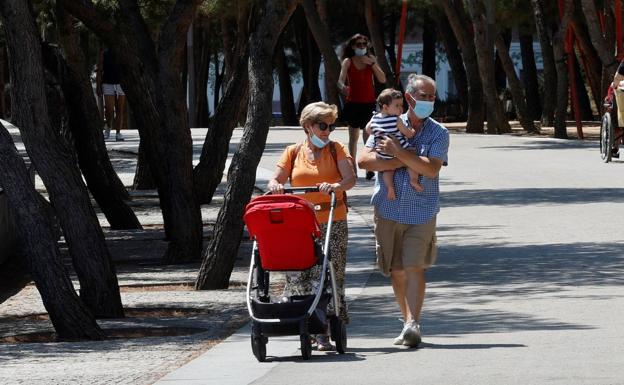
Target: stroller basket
(291, 312)
(285, 229)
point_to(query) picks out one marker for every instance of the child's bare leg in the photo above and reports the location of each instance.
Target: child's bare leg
(388, 178)
(414, 180)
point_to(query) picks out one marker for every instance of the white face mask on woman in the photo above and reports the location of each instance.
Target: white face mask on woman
(360, 51)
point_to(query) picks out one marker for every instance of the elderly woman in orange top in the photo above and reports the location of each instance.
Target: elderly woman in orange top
(318, 161)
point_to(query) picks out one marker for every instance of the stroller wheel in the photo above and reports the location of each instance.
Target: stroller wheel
(339, 334)
(258, 344)
(306, 346)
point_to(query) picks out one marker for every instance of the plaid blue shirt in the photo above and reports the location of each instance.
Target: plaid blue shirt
(412, 207)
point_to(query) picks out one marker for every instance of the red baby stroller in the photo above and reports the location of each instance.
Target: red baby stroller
(287, 238)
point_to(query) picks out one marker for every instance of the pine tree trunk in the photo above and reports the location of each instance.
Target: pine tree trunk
(600, 42)
(86, 127)
(429, 46)
(151, 81)
(372, 10)
(287, 100)
(202, 59)
(459, 23)
(455, 60)
(497, 121)
(321, 35)
(515, 85)
(209, 171)
(98, 283)
(69, 316)
(529, 75)
(500, 73)
(143, 179)
(591, 62)
(550, 71)
(221, 253)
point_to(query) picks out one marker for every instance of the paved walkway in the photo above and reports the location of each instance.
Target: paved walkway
(529, 287)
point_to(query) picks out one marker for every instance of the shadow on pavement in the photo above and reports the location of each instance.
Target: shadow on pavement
(530, 196)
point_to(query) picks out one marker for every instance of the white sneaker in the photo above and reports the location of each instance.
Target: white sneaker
(399, 340)
(119, 137)
(106, 133)
(411, 335)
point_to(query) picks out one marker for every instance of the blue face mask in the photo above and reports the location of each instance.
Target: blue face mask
(318, 142)
(422, 109)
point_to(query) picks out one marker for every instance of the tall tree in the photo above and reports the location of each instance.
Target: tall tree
(515, 85)
(220, 255)
(69, 66)
(592, 65)
(209, 171)
(497, 121)
(603, 43)
(320, 32)
(98, 283)
(429, 45)
(152, 82)
(529, 73)
(372, 10)
(476, 108)
(548, 59)
(561, 59)
(454, 57)
(69, 316)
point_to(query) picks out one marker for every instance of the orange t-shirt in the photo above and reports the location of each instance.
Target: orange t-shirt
(310, 172)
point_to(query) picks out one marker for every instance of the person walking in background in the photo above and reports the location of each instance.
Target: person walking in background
(107, 84)
(356, 83)
(406, 238)
(318, 161)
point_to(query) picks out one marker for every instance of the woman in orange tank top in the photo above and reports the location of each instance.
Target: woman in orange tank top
(317, 161)
(359, 66)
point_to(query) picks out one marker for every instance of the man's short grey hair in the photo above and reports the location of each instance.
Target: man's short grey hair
(412, 82)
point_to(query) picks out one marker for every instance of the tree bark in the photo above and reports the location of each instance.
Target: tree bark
(499, 70)
(152, 83)
(591, 62)
(310, 60)
(529, 74)
(86, 127)
(98, 283)
(320, 32)
(454, 57)
(548, 58)
(372, 10)
(601, 44)
(476, 107)
(561, 60)
(69, 316)
(429, 46)
(287, 100)
(202, 61)
(209, 171)
(221, 253)
(143, 179)
(515, 85)
(497, 121)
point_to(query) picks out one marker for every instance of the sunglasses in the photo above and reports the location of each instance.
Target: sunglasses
(324, 126)
(361, 44)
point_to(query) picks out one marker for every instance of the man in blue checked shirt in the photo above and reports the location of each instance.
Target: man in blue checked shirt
(405, 228)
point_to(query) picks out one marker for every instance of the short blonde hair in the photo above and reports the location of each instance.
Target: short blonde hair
(316, 112)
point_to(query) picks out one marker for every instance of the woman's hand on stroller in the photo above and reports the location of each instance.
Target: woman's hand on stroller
(275, 187)
(327, 188)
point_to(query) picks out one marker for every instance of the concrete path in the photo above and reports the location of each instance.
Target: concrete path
(529, 288)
